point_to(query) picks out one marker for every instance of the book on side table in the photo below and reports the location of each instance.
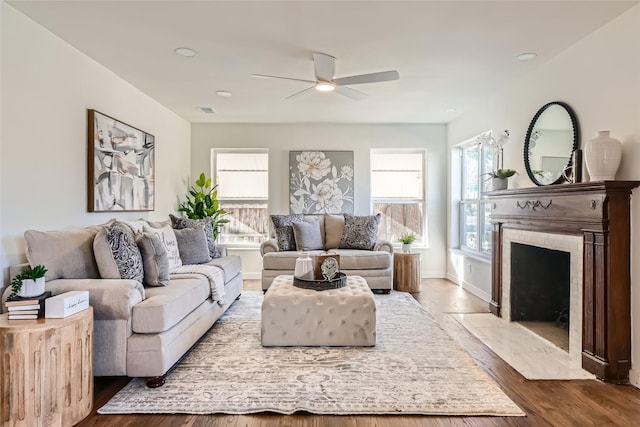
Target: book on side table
(26, 308)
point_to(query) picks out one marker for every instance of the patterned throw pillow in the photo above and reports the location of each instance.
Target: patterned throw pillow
(170, 243)
(192, 244)
(284, 230)
(360, 232)
(180, 223)
(117, 253)
(154, 259)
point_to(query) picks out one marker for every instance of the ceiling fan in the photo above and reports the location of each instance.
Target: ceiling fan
(324, 66)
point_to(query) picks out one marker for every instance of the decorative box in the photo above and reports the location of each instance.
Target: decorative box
(66, 304)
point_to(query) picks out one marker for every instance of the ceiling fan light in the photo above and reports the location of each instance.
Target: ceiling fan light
(325, 86)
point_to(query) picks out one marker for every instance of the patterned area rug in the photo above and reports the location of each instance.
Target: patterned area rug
(415, 368)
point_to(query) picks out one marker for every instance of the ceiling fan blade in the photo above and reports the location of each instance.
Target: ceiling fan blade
(382, 76)
(324, 66)
(263, 76)
(297, 94)
(350, 93)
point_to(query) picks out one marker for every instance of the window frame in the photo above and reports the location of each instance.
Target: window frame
(244, 201)
(423, 241)
(481, 202)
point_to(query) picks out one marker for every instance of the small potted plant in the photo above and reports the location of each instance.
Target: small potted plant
(500, 178)
(29, 283)
(407, 239)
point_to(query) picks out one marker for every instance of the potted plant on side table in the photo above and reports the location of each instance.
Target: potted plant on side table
(407, 239)
(29, 283)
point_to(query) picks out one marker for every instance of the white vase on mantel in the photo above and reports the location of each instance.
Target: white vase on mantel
(602, 155)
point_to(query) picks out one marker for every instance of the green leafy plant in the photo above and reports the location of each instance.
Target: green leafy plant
(202, 202)
(408, 238)
(30, 273)
(502, 173)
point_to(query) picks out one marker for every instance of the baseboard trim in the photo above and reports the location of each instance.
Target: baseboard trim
(476, 291)
(634, 377)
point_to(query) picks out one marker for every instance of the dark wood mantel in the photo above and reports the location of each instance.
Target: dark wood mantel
(600, 212)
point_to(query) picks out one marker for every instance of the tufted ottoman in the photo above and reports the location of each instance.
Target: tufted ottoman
(336, 317)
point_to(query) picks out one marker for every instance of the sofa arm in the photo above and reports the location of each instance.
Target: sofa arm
(383, 245)
(110, 298)
(270, 245)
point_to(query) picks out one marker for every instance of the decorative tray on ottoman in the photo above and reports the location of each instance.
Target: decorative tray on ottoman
(339, 281)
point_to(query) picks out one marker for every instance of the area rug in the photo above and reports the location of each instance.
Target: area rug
(415, 368)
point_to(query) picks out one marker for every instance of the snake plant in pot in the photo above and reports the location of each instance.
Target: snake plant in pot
(29, 283)
(202, 202)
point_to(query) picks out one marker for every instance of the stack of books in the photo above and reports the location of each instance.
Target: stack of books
(26, 308)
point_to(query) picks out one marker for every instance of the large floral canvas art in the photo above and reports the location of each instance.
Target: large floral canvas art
(320, 182)
(121, 166)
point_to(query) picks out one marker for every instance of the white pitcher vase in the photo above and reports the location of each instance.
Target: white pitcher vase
(602, 155)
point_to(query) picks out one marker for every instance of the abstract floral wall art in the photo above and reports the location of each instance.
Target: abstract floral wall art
(321, 182)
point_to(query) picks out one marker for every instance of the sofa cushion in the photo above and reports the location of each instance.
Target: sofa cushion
(231, 266)
(165, 306)
(154, 259)
(307, 235)
(360, 232)
(168, 238)
(117, 253)
(67, 254)
(192, 244)
(284, 230)
(350, 259)
(333, 227)
(180, 223)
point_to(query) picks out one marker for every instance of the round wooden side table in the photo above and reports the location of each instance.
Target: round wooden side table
(47, 370)
(406, 271)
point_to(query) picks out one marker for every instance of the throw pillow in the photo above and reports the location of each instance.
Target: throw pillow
(117, 253)
(67, 254)
(360, 232)
(284, 230)
(170, 243)
(154, 259)
(180, 223)
(333, 228)
(192, 244)
(307, 235)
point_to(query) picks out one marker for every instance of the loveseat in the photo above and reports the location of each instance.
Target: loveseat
(352, 237)
(140, 330)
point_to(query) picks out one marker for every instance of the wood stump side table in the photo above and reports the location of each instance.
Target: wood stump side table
(46, 370)
(406, 271)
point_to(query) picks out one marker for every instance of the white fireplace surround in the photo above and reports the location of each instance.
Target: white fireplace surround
(561, 242)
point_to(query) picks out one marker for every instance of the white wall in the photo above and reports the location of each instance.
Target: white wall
(599, 78)
(47, 87)
(281, 138)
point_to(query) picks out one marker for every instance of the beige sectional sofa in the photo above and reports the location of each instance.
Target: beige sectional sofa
(374, 264)
(138, 331)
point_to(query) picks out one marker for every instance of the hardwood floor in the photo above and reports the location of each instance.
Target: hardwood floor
(546, 403)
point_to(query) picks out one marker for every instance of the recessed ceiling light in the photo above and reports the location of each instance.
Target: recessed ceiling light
(325, 86)
(207, 110)
(224, 93)
(527, 56)
(185, 51)
(451, 110)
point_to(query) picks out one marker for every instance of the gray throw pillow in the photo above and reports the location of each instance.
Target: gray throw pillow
(154, 259)
(360, 232)
(180, 223)
(192, 245)
(167, 236)
(117, 253)
(284, 230)
(307, 235)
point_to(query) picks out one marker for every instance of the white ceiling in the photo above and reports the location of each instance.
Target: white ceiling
(450, 54)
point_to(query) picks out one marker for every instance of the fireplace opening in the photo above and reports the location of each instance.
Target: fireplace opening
(540, 291)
